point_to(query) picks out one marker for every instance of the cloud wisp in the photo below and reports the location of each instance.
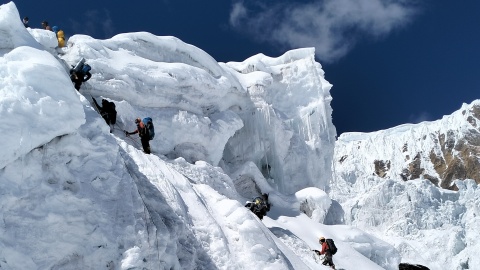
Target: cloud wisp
(421, 117)
(331, 26)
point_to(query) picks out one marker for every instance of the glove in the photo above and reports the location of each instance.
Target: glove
(126, 133)
(316, 251)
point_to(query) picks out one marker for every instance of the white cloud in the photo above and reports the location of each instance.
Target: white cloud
(238, 12)
(331, 26)
(421, 117)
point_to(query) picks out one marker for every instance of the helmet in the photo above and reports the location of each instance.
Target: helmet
(321, 239)
(137, 120)
(55, 29)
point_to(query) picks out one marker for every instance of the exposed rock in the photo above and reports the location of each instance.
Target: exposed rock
(381, 167)
(407, 266)
(415, 167)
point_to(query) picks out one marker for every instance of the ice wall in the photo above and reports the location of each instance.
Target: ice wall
(277, 108)
(190, 97)
(288, 133)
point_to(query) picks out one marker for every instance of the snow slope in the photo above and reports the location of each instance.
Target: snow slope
(74, 196)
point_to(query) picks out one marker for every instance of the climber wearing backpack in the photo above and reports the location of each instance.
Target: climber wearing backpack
(60, 36)
(328, 248)
(145, 131)
(108, 112)
(260, 206)
(80, 74)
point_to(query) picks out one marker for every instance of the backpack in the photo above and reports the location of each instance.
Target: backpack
(258, 201)
(261, 205)
(331, 246)
(77, 67)
(86, 68)
(147, 121)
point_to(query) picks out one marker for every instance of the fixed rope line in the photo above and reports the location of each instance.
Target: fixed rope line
(133, 140)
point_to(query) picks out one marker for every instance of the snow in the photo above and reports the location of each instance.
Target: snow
(428, 225)
(51, 109)
(75, 196)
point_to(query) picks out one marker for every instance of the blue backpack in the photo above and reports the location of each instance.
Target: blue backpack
(86, 68)
(148, 122)
(78, 66)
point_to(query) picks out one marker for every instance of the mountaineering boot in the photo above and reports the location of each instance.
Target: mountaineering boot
(326, 263)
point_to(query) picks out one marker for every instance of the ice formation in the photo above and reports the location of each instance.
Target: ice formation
(74, 196)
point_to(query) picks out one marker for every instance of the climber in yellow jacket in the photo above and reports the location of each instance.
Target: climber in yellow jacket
(60, 36)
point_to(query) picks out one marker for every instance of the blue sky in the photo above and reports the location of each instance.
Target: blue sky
(390, 61)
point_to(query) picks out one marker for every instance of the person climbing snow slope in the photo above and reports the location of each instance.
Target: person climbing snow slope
(327, 251)
(260, 206)
(60, 36)
(107, 111)
(144, 130)
(80, 74)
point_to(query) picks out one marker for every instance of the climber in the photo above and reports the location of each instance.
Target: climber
(327, 250)
(25, 22)
(143, 132)
(46, 26)
(60, 36)
(108, 112)
(260, 206)
(78, 73)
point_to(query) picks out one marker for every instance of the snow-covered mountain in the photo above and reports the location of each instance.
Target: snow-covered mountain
(380, 166)
(75, 196)
(440, 151)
